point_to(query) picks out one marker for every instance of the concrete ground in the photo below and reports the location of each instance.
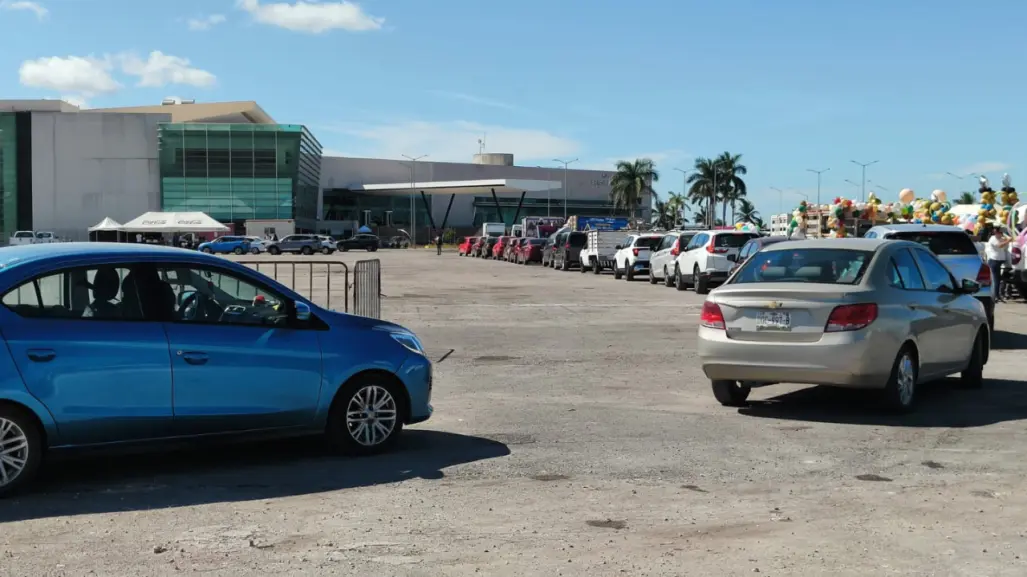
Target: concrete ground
(575, 435)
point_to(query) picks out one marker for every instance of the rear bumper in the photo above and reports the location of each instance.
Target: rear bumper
(640, 265)
(715, 275)
(857, 360)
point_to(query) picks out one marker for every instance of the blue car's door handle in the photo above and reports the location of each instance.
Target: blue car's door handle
(41, 355)
(193, 358)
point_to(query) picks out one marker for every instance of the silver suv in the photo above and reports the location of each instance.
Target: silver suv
(296, 243)
(954, 247)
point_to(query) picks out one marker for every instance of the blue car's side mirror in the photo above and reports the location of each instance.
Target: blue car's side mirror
(302, 311)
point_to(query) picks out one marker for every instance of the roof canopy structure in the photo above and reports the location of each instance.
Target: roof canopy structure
(171, 222)
(244, 112)
(479, 187)
(108, 225)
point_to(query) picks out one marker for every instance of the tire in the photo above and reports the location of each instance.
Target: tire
(19, 423)
(343, 434)
(898, 397)
(238, 251)
(629, 272)
(652, 277)
(207, 250)
(668, 279)
(596, 267)
(700, 283)
(730, 393)
(583, 269)
(973, 376)
(617, 274)
(326, 250)
(991, 323)
(254, 251)
(344, 249)
(274, 250)
(565, 265)
(679, 280)
(307, 251)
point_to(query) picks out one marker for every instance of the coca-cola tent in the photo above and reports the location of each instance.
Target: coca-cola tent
(107, 229)
(173, 222)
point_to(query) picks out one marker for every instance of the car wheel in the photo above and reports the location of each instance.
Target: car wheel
(617, 274)
(274, 250)
(326, 250)
(307, 250)
(238, 251)
(668, 279)
(207, 250)
(652, 277)
(583, 269)
(679, 279)
(629, 271)
(366, 417)
(373, 249)
(22, 444)
(900, 392)
(254, 251)
(730, 393)
(596, 267)
(700, 283)
(344, 249)
(565, 264)
(973, 376)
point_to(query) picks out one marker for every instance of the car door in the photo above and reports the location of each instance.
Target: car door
(84, 349)
(238, 362)
(956, 327)
(659, 256)
(687, 259)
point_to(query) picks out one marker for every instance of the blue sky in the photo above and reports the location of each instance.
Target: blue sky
(923, 87)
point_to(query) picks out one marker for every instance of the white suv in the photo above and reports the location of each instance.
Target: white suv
(708, 258)
(663, 255)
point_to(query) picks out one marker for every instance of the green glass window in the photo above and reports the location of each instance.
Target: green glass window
(8, 176)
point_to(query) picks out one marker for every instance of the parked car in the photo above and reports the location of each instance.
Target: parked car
(466, 242)
(476, 247)
(708, 258)
(510, 254)
(663, 257)
(632, 256)
(953, 247)
(487, 245)
(295, 243)
(500, 249)
(226, 245)
(108, 343)
(327, 244)
(752, 247)
(363, 241)
(548, 250)
(257, 244)
(22, 237)
(568, 249)
(531, 250)
(854, 312)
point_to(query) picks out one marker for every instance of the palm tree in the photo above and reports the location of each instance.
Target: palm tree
(966, 198)
(730, 170)
(717, 180)
(747, 213)
(677, 204)
(662, 215)
(701, 217)
(701, 192)
(631, 182)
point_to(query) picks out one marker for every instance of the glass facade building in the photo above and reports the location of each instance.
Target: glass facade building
(485, 208)
(373, 209)
(238, 172)
(8, 175)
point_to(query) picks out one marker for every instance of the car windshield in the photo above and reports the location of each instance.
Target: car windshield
(941, 243)
(537, 241)
(732, 240)
(648, 241)
(805, 265)
(577, 239)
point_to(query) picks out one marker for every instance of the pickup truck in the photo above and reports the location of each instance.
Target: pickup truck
(23, 237)
(600, 248)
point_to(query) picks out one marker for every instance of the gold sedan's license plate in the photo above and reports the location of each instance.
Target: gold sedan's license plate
(773, 321)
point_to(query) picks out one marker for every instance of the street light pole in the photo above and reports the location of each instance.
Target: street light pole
(684, 185)
(780, 199)
(856, 184)
(413, 204)
(879, 187)
(565, 164)
(864, 166)
(819, 223)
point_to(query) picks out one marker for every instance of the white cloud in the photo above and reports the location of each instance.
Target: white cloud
(206, 22)
(456, 141)
(161, 69)
(312, 17)
(40, 11)
(983, 167)
(84, 75)
(473, 99)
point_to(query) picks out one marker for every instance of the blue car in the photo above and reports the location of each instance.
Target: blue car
(115, 344)
(225, 245)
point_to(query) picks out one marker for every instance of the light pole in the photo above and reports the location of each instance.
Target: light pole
(856, 184)
(819, 173)
(565, 164)
(780, 199)
(684, 184)
(879, 187)
(413, 206)
(864, 166)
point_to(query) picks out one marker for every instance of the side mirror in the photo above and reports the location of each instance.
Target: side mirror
(969, 286)
(618, 247)
(302, 311)
(732, 258)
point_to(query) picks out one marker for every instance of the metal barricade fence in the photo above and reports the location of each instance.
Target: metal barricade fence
(367, 294)
(326, 284)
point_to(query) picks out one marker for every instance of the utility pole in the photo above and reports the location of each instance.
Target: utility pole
(413, 203)
(684, 185)
(565, 164)
(864, 166)
(819, 223)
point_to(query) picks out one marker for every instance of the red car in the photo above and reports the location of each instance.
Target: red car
(500, 248)
(465, 245)
(510, 255)
(476, 246)
(531, 250)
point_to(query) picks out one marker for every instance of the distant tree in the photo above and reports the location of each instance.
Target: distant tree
(631, 181)
(747, 212)
(965, 198)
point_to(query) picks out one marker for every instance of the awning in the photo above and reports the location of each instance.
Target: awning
(499, 185)
(171, 222)
(107, 224)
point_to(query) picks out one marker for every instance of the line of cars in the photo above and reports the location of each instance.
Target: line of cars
(516, 249)
(905, 305)
(306, 244)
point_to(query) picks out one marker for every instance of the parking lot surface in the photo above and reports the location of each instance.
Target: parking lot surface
(574, 434)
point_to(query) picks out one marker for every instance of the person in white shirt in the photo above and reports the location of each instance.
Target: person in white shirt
(997, 252)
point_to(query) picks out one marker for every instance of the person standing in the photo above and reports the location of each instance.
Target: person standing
(997, 252)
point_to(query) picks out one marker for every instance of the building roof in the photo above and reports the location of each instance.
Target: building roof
(242, 112)
(497, 185)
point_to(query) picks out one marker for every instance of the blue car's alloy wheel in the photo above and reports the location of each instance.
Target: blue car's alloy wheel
(20, 449)
(367, 416)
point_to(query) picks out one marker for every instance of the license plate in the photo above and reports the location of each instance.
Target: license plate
(773, 321)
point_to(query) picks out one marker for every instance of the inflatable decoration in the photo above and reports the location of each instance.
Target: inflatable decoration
(746, 227)
(1008, 199)
(906, 196)
(841, 210)
(798, 222)
(987, 213)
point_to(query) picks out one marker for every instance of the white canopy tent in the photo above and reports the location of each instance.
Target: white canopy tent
(106, 225)
(172, 222)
